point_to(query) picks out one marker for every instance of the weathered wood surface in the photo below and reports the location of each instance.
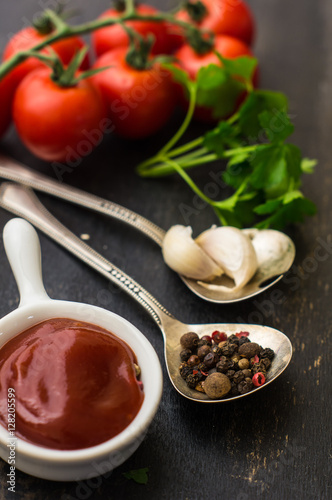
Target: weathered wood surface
(274, 444)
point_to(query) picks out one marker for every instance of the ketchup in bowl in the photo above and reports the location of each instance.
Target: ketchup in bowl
(75, 384)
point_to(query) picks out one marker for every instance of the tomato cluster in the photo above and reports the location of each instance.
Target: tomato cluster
(53, 121)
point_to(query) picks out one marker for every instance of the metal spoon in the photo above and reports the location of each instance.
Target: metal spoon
(266, 276)
(22, 202)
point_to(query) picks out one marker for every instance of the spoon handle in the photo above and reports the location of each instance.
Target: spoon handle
(23, 251)
(11, 170)
(24, 203)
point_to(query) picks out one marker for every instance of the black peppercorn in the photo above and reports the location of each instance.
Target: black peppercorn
(185, 354)
(199, 375)
(230, 374)
(258, 367)
(238, 377)
(210, 360)
(234, 390)
(244, 386)
(243, 340)
(247, 373)
(192, 381)
(267, 353)
(216, 349)
(234, 339)
(266, 362)
(189, 340)
(202, 367)
(228, 349)
(185, 370)
(224, 365)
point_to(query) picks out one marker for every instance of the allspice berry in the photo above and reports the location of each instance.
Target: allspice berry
(217, 385)
(193, 360)
(203, 351)
(189, 340)
(249, 349)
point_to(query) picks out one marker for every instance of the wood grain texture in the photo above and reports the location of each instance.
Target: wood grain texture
(276, 443)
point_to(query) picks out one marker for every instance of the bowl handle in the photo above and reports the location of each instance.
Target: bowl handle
(23, 252)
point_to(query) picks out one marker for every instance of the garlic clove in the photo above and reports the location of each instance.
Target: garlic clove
(232, 250)
(271, 247)
(184, 256)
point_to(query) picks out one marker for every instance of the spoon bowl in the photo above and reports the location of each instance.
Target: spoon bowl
(23, 202)
(267, 275)
(262, 335)
(23, 251)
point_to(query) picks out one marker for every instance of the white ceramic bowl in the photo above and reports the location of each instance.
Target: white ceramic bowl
(23, 251)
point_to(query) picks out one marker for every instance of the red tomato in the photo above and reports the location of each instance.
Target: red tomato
(108, 38)
(192, 62)
(27, 38)
(6, 100)
(140, 102)
(58, 123)
(224, 17)
(228, 47)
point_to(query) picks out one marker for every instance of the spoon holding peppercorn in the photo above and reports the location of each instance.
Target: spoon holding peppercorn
(178, 336)
(274, 260)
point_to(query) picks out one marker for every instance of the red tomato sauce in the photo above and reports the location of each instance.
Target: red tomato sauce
(75, 384)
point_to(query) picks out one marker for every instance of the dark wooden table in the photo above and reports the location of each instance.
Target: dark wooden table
(274, 444)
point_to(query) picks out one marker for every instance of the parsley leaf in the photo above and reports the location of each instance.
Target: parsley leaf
(214, 81)
(276, 124)
(256, 103)
(308, 165)
(240, 212)
(218, 138)
(243, 66)
(236, 173)
(270, 170)
(292, 208)
(262, 168)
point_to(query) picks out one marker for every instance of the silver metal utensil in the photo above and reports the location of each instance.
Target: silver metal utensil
(265, 277)
(22, 202)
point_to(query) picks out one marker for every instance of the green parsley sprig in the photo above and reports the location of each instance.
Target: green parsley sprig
(262, 168)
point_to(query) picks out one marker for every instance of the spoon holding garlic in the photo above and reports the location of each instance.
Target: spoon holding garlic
(226, 264)
(221, 261)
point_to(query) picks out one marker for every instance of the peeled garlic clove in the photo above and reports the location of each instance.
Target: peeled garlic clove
(232, 250)
(271, 247)
(184, 256)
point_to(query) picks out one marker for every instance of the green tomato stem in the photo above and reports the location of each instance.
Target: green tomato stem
(130, 7)
(64, 30)
(59, 24)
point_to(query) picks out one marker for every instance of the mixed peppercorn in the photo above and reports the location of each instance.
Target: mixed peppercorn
(221, 366)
